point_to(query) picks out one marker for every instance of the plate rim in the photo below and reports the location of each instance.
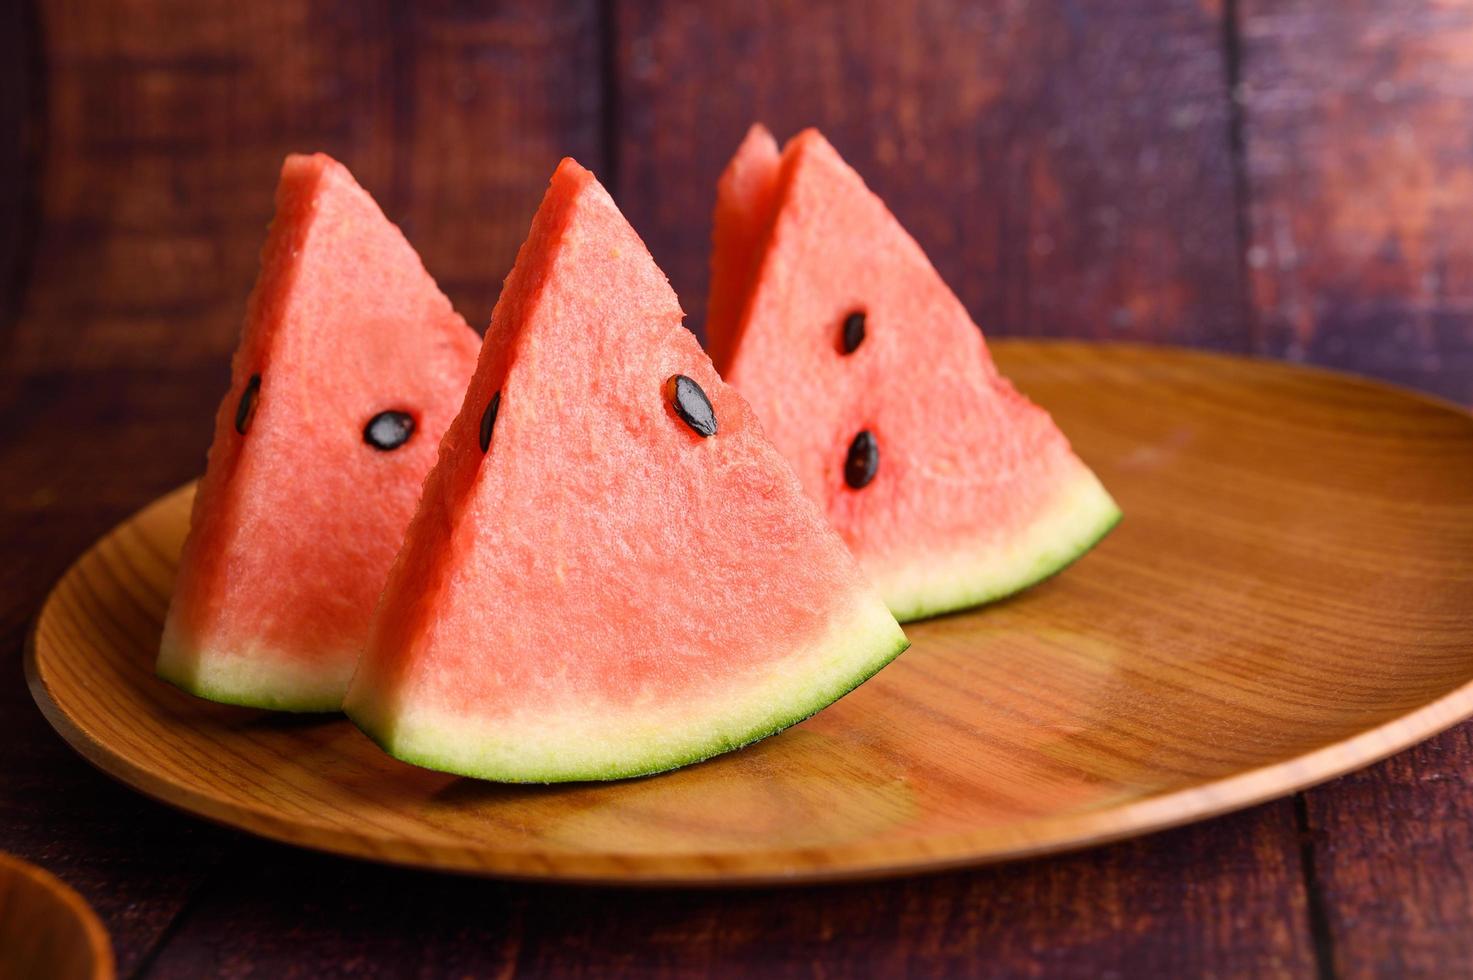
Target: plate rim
(932, 855)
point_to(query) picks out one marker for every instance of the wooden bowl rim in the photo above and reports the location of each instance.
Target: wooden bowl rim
(99, 946)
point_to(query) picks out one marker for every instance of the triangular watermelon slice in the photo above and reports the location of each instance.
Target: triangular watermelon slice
(746, 197)
(597, 585)
(350, 366)
(866, 371)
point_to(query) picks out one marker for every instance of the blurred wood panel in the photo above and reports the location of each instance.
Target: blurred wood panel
(1391, 847)
(1356, 118)
(20, 137)
(76, 452)
(1182, 904)
(168, 120)
(1067, 166)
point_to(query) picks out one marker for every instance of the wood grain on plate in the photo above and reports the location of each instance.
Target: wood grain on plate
(46, 930)
(1285, 601)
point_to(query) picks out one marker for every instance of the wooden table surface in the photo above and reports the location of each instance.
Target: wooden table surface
(1283, 177)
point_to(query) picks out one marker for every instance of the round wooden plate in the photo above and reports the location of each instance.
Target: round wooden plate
(1287, 599)
(46, 930)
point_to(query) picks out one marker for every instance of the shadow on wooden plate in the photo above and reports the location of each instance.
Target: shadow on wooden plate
(1287, 599)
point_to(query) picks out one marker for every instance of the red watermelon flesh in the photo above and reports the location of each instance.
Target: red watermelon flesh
(298, 519)
(977, 493)
(603, 592)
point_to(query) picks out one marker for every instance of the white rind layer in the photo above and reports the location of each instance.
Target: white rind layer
(593, 741)
(1079, 515)
(257, 676)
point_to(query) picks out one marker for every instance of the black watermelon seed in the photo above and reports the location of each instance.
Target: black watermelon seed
(691, 404)
(388, 430)
(853, 332)
(488, 420)
(245, 410)
(863, 460)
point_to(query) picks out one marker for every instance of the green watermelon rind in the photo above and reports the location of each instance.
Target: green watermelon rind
(885, 648)
(1084, 515)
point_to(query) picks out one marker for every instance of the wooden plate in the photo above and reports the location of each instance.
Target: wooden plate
(46, 930)
(1289, 597)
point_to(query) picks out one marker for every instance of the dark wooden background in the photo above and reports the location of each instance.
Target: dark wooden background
(1291, 178)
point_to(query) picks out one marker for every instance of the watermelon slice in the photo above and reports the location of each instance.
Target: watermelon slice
(612, 572)
(350, 366)
(745, 199)
(868, 374)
